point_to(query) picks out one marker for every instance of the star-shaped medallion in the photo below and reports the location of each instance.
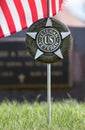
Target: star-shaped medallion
(48, 40)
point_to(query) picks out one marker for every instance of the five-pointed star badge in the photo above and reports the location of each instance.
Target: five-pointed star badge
(50, 40)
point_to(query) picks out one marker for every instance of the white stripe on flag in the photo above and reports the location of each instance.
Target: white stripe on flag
(39, 8)
(27, 12)
(3, 24)
(14, 14)
(57, 6)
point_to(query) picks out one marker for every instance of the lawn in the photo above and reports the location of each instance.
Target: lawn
(66, 115)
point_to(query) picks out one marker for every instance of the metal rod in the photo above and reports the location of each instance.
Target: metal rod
(48, 8)
(49, 76)
(49, 91)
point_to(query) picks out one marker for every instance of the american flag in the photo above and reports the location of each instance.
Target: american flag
(16, 15)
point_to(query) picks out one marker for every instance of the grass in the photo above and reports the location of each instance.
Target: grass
(66, 115)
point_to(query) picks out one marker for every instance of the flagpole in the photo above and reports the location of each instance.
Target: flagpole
(49, 78)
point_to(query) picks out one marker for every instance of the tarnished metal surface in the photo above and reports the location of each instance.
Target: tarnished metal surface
(48, 40)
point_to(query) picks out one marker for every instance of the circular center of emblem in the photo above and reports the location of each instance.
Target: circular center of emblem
(48, 40)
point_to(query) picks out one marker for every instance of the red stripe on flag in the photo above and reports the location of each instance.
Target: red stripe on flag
(21, 13)
(33, 10)
(60, 4)
(53, 3)
(1, 32)
(8, 16)
(44, 7)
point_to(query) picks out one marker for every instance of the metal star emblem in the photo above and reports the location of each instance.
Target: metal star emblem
(48, 40)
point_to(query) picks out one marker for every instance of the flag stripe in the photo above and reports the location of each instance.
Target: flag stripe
(1, 32)
(39, 8)
(60, 4)
(33, 10)
(44, 8)
(53, 4)
(8, 17)
(21, 13)
(3, 24)
(14, 14)
(57, 6)
(27, 12)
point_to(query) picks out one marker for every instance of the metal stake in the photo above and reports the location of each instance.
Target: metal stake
(49, 77)
(49, 91)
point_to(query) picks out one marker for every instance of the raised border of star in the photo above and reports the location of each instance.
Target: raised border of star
(57, 52)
